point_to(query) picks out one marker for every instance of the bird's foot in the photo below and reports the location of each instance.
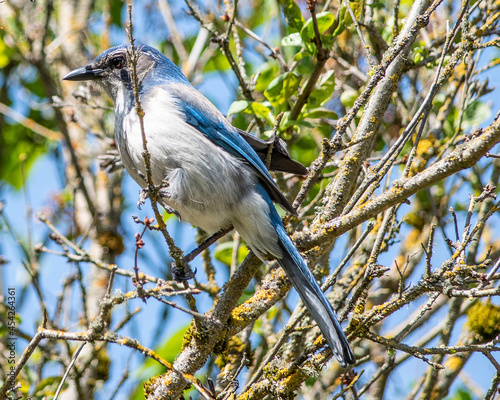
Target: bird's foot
(162, 191)
(110, 161)
(182, 272)
(143, 195)
(170, 210)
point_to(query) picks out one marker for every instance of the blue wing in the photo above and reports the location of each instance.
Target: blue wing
(203, 115)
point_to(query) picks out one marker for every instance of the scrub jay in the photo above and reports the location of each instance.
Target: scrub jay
(214, 177)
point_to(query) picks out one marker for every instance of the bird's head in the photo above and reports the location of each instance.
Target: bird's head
(112, 69)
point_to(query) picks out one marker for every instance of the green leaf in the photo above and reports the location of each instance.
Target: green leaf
(18, 145)
(287, 123)
(325, 21)
(343, 17)
(377, 4)
(262, 11)
(320, 113)
(224, 252)
(476, 113)
(168, 350)
(461, 394)
(115, 8)
(281, 89)
(348, 97)
(420, 52)
(252, 107)
(247, 294)
(35, 87)
(293, 14)
(238, 106)
(293, 39)
(6, 53)
(305, 150)
(218, 62)
(304, 63)
(324, 129)
(323, 91)
(328, 41)
(265, 74)
(172, 346)
(261, 111)
(150, 367)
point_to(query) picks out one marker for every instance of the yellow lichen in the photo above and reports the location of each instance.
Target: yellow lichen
(484, 320)
(231, 354)
(294, 381)
(426, 146)
(454, 363)
(150, 385)
(192, 333)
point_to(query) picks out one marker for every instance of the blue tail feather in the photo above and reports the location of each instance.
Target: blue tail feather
(310, 293)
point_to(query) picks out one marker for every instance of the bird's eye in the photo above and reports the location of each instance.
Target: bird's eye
(118, 62)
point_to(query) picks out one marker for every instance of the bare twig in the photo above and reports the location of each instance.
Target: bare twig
(365, 46)
(65, 376)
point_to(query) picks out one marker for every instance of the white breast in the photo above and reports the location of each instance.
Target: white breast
(205, 182)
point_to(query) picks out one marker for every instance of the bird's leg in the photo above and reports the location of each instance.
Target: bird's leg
(183, 272)
(206, 243)
(144, 192)
(110, 161)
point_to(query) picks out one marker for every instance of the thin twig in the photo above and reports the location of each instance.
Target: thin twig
(65, 376)
(275, 53)
(366, 48)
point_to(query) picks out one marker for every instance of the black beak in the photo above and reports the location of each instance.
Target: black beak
(86, 73)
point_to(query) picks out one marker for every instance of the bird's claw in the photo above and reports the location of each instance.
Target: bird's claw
(182, 273)
(170, 210)
(143, 195)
